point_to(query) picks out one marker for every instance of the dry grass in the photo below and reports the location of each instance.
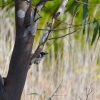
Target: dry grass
(76, 65)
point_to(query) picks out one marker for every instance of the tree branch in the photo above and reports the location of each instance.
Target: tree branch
(48, 30)
(65, 35)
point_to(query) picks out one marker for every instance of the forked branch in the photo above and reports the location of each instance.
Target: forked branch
(48, 30)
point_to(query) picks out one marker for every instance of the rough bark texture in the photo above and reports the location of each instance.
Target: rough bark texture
(19, 63)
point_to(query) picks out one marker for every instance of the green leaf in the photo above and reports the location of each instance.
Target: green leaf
(85, 14)
(49, 99)
(75, 10)
(88, 28)
(45, 95)
(74, 3)
(96, 28)
(33, 94)
(4, 3)
(99, 33)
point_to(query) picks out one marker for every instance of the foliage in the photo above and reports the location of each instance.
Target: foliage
(82, 10)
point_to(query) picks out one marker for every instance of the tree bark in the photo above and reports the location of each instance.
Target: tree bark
(19, 63)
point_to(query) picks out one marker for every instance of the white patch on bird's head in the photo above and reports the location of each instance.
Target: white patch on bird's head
(21, 13)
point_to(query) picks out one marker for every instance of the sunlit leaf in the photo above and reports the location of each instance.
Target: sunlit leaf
(74, 3)
(33, 94)
(75, 10)
(99, 32)
(4, 3)
(85, 14)
(96, 28)
(88, 28)
(45, 95)
(49, 99)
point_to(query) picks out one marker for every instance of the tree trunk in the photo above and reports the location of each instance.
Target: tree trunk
(19, 63)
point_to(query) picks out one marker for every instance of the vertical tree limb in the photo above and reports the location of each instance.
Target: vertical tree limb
(19, 63)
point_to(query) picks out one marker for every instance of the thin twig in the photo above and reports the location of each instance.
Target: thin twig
(87, 95)
(79, 97)
(60, 95)
(57, 29)
(56, 89)
(64, 35)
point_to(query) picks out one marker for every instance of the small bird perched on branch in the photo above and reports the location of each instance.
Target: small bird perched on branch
(38, 59)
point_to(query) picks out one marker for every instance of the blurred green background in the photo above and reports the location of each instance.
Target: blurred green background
(72, 59)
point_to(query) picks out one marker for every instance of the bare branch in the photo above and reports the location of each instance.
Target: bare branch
(65, 35)
(88, 92)
(79, 97)
(48, 30)
(34, 19)
(56, 89)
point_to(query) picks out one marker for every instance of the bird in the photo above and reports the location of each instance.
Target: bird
(38, 59)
